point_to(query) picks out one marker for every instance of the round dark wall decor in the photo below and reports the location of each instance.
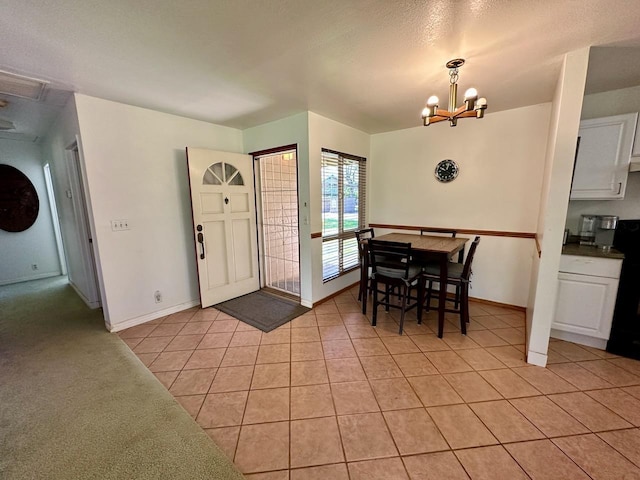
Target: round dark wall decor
(19, 202)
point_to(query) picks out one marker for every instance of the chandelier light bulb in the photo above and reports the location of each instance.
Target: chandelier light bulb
(470, 94)
(425, 112)
(432, 101)
(482, 102)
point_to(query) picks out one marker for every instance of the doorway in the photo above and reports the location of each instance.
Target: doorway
(55, 219)
(86, 287)
(277, 184)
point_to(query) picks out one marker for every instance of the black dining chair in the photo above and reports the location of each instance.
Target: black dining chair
(391, 268)
(458, 275)
(460, 260)
(363, 234)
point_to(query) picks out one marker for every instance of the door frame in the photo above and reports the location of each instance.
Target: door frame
(55, 218)
(259, 232)
(84, 226)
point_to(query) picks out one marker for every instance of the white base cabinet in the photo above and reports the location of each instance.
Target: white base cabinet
(587, 290)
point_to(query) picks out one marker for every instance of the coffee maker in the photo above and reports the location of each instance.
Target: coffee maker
(605, 230)
(587, 230)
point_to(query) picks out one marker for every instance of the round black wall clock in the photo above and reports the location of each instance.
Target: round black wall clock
(19, 202)
(446, 171)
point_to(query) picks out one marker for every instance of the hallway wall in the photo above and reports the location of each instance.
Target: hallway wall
(37, 244)
(61, 135)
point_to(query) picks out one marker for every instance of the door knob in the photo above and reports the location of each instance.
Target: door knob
(226, 200)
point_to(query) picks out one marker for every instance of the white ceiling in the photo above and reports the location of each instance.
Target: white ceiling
(367, 63)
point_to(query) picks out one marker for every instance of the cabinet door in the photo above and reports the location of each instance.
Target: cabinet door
(602, 160)
(585, 304)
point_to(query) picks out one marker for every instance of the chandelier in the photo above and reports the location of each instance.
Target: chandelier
(473, 106)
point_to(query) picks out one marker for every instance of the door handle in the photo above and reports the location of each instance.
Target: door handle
(619, 188)
(200, 237)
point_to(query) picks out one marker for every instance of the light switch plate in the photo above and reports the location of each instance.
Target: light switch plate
(119, 225)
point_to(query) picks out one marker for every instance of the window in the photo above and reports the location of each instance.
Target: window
(222, 174)
(343, 211)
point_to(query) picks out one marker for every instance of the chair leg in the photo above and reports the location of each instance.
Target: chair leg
(374, 288)
(421, 286)
(457, 299)
(366, 298)
(429, 290)
(405, 290)
(386, 297)
(464, 309)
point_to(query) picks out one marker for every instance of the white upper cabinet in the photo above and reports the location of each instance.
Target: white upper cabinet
(603, 155)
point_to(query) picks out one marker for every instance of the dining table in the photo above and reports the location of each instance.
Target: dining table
(424, 248)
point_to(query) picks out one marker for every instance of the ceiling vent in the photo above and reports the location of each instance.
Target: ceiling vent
(6, 125)
(19, 86)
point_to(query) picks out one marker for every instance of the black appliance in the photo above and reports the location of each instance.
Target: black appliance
(625, 330)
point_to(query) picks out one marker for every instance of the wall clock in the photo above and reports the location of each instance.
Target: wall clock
(446, 171)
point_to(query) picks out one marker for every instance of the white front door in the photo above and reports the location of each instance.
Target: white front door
(224, 218)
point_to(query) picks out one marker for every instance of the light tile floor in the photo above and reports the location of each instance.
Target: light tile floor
(327, 396)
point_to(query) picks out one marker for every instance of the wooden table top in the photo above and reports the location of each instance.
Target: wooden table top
(427, 243)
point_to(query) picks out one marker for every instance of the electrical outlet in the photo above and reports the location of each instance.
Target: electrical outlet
(119, 225)
(34, 266)
(158, 296)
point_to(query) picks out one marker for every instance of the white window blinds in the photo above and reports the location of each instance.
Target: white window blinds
(343, 211)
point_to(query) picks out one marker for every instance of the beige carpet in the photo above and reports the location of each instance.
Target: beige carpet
(76, 403)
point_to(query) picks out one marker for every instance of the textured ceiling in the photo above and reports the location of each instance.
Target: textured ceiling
(367, 63)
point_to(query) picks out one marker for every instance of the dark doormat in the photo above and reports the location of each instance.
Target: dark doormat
(262, 310)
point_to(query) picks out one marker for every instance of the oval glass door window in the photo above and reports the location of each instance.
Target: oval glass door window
(222, 173)
(19, 202)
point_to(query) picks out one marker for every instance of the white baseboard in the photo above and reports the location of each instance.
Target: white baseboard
(536, 358)
(594, 342)
(37, 276)
(306, 303)
(132, 322)
(83, 297)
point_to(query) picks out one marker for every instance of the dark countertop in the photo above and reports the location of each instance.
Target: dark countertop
(590, 251)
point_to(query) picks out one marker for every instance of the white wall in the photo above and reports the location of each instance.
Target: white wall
(605, 104)
(326, 133)
(289, 131)
(136, 170)
(37, 244)
(501, 161)
(558, 170)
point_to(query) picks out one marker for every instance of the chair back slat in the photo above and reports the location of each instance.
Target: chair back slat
(363, 234)
(466, 271)
(389, 259)
(425, 231)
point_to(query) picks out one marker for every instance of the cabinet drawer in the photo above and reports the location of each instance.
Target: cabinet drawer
(599, 267)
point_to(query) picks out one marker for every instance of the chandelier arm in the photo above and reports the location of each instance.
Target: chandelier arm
(436, 119)
(443, 113)
(467, 114)
(459, 112)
